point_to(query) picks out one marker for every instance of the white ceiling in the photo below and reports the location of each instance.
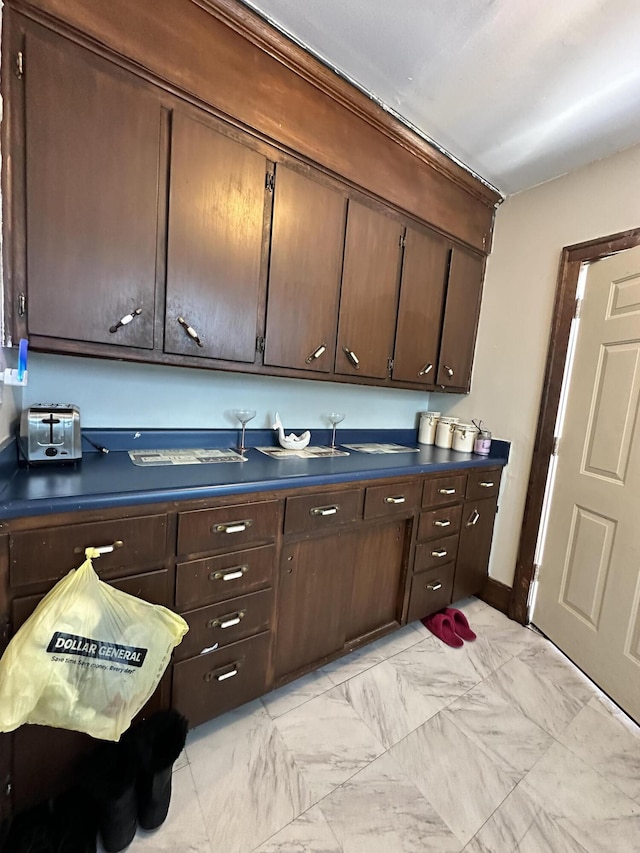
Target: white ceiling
(520, 91)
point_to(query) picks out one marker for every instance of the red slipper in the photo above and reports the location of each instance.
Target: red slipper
(442, 626)
(460, 624)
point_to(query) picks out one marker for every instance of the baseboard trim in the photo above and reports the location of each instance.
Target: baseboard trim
(497, 595)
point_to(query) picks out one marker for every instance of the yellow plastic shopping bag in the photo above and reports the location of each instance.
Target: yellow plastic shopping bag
(87, 659)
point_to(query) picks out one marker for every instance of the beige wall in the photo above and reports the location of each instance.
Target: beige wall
(531, 230)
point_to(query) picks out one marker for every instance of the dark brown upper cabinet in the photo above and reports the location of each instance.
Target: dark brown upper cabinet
(369, 298)
(307, 242)
(216, 243)
(140, 226)
(462, 309)
(92, 182)
(425, 267)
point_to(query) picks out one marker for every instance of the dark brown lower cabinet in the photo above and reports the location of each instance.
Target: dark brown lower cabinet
(378, 571)
(341, 555)
(475, 547)
(316, 577)
(338, 589)
(213, 683)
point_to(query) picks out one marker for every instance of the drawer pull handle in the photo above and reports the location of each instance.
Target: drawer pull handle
(226, 675)
(448, 370)
(446, 491)
(399, 499)
(230, 575)
(473, 518)
(101, 549)
(486, 485)
(440, 553)
(442, 522)
(227, 621)
(232, 526)
(315, 354)
(434, 586)
(324, 510)
(223, 676)
(426, 369)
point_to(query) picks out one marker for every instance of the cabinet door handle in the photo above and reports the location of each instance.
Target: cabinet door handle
(232, 526)
(316, 353)
(449, 370)
(446, 491)
(442, 522)
(398, 499)
(353, 358)
(440, 553)
(229, 575)
(190, 331)
(426, 369)
(324, 510)
(124, 321)
(473, 518)
(101, 549)
(486, 485)
(227, 621)
(434, 586)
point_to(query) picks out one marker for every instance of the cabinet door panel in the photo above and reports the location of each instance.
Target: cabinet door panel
(377, 574)
(474, 547)
(369, 298)
(215, 243)
(307, 240)
(315, 584)
(460, 319)
(424, 272)
(92, 163)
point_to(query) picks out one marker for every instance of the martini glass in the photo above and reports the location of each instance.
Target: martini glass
(334, 419)
(244, 416)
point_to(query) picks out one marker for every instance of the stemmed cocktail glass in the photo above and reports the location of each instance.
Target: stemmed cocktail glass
(334, 419)
(244, 416)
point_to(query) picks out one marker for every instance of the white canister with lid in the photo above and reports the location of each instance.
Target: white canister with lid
(444, 432)
(464, 436)
(427, 428)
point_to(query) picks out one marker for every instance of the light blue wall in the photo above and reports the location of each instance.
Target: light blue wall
(122, 394)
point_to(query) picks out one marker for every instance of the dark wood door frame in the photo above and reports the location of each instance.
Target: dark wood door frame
(572, 259)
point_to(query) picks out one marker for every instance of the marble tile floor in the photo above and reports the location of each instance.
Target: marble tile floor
(409, 745)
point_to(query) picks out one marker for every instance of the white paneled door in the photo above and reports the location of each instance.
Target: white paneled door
(588, 599)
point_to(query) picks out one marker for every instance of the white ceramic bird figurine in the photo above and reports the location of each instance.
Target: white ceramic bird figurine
(291, 441)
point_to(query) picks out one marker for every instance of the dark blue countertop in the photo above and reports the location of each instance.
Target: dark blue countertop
(103, 481)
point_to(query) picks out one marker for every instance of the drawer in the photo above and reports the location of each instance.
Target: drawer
(430, 555)
(213, 579)
(322, 510)
(439, 522)
(484, 483)
(430, 591)
(49, 553)
(226, 623)
(211, 684)
(443, 490)
(392, 499)
(151, 586)
(227, 527)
